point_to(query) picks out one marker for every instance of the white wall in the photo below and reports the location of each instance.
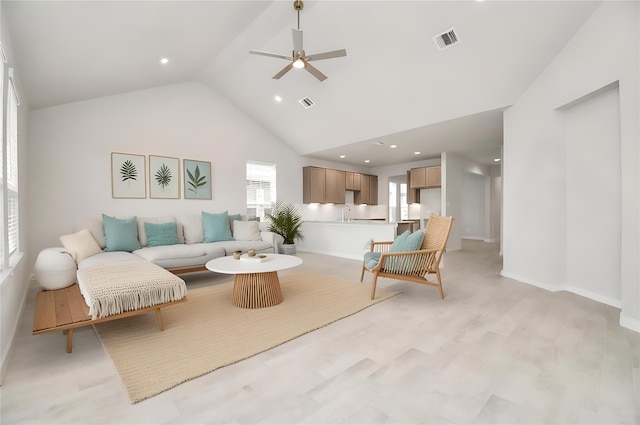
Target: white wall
(473, 206)
(70, 150)
(536, 149)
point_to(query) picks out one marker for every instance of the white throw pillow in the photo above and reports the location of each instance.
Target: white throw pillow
(246, 230)
(81, 244)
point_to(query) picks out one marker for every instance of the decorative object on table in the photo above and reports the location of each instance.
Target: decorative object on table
(164, 177)
(237, 254)
(251, 253)
(286, 221)
(128, 177)
(261, 258)
(197, 179)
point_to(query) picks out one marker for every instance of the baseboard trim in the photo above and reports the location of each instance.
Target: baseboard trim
(625, 322)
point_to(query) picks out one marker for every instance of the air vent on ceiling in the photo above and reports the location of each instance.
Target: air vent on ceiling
(306, 102)
(446, 39)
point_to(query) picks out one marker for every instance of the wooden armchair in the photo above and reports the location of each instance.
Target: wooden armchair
(413, 266)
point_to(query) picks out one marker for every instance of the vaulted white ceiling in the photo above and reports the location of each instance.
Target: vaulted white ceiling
(393, 87)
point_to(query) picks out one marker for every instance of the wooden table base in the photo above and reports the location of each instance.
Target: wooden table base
(256, 290)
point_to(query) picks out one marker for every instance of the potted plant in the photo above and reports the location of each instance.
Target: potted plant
(285, 221)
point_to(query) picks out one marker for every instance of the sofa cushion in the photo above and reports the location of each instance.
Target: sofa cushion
(120, 234)
(81, 244)
(181, 255)
(142, 234)
(371, 259)
(216, 227)
(161, 233)
(107, 257)
(232, 218)
(192, 228)
(246, 230)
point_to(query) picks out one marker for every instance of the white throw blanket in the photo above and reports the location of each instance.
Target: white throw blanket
(126, 286)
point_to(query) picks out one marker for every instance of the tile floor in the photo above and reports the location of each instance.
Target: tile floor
(494, 351)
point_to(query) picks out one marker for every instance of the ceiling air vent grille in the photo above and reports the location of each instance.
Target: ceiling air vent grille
(306, 102)
(446, 39)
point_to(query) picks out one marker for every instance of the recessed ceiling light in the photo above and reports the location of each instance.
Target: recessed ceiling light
(164, 61)
(496, 159)
(367, 161)
(417, 153)
(343, 156)
(393, 146)
(277, 98)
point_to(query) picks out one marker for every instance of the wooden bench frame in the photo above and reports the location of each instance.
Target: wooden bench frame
(65, 309)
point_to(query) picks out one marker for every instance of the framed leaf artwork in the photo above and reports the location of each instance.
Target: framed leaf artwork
(164, 177)
(197, 179)
(128, 176)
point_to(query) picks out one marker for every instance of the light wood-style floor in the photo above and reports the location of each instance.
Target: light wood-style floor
(494, 351)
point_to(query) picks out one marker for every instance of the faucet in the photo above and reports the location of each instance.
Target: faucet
(342, 217)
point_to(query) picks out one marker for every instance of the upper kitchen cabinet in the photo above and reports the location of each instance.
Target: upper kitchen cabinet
(335, 188)
(313, 184)
(323, 185)
(353, 181)
(368, 193)
(425, 177)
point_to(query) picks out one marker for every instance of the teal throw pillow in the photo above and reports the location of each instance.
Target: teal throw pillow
(371, 259)
(161, 234)
(216, 227)
(120, 234)
(407, 241)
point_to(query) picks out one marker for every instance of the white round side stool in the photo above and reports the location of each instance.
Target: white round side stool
(55, 269)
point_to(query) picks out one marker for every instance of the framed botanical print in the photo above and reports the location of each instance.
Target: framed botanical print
(164, 177)
(128, 176)
(197, 179)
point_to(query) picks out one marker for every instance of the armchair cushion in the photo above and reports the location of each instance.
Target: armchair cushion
(371, 259)
(408, 241)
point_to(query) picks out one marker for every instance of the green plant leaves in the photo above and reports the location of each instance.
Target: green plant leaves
(163, 176)
(285, 221)
(128, 171)
(196, 180)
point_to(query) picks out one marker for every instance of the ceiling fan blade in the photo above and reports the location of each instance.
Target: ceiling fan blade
(297, 40)
(284, 71)
(314, 71)
(326, 55)
(272, 55)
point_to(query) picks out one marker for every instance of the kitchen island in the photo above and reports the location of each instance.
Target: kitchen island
(347, 239)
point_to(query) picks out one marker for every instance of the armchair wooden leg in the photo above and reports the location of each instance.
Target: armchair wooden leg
(362, 274)
(373, 285)
(439, 283)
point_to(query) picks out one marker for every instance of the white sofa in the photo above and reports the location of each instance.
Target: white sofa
(87, 246)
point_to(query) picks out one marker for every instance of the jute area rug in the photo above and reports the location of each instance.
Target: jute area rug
(207, 332)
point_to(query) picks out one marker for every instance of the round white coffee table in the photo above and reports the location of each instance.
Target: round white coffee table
(256, 285)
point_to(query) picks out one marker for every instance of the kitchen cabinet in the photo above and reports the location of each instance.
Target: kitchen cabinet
(313, 184)
(353, 181)
(329, 186)
(335, 186)
(434, 176)
(425, 177)
(368, 193)
(413, 195)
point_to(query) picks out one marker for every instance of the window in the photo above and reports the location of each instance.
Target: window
(9, 176)
(261, 188)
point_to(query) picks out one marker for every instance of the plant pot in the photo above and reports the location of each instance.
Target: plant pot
(289, 248)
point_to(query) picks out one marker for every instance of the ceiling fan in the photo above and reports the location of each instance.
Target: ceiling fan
(298, 58)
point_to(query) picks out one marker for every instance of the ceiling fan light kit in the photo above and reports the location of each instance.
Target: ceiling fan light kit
(299, 59)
